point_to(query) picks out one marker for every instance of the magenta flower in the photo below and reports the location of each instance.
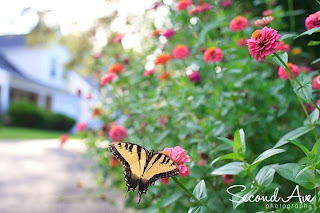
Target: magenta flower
(242, 42)
(267, 13)
(263, 42)
(282, 72)
(162, 121)
(107, 78)
(312, 21)
(179, 156)
(213, 54)
(195, 77)
(149, 72)
(239, 23)
(283, 47)
(309, 107)
(203, 7)
(81, 126)
(265, 21)
(168, 33)
(226, 3)
(118, 133)
(305, 69)
(180, 52)
(316, 82)
(183, 4)
(227, 179)
(118, 38)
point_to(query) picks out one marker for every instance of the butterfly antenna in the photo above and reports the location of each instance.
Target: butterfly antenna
(139, 198)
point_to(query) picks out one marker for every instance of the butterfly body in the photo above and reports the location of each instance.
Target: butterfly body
(141, 167)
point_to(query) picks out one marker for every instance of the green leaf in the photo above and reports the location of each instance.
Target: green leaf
(266, 154)
(239, 142)
(284, 56)
(301, 146)
(304, 92)
(198, 209)
(314, 149)
(265, 175)
(313, 43)
(151, 209)
(200, 191)
(290, 170)
(237, 198)
(170, 199)
(302, 171)
(233, 168)
(293, 135)
(315, 61)
(233, 156)
(314, 116)
(227, 141)
(309, 32)
(286, 36)
(162, 136)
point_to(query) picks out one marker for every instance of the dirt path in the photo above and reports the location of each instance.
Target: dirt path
(38, 176)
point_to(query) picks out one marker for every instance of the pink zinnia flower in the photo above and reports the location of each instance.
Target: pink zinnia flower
(263, 42)
(168, 33)
(242, 42)
(305, 69)
(316, 82)
(193, 11)
(118, 38)
(312, 21)
(213, 54)
(107, 78)
(180, 52)
(149, 72)
(282, 72)
(267, 13)
(203, 7)
(81, 126)
(226, 3)
(239, 23)
(63, 139)
(263, 22)
(309, 107)
(179, 156)
(183, 4)
(283, 47)
(195, 77)
(118, 133)
(227, 179)
(163, 120)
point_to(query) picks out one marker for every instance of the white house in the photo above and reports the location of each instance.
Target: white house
(36, 74)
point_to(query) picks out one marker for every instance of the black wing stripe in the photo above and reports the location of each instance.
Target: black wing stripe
(164, 160)
(130, 147)
(126, 146)
(139, 152)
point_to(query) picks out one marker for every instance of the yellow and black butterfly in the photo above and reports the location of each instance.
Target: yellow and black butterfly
(141, 167)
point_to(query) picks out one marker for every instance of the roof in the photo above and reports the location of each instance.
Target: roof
(12, 41)
(6, 65)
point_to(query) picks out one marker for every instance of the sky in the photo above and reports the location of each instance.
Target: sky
(16, 19)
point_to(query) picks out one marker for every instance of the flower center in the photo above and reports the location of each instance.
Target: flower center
(256, 34)
(165, 152)
(238, 18)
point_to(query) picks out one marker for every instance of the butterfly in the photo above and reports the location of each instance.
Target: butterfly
(141, 167)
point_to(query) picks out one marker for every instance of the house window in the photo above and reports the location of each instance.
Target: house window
(53, 69)
(21, 95)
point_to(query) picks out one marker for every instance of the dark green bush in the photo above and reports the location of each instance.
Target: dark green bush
(25, 114)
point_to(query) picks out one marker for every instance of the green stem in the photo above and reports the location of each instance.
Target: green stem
(188, 192)
(316, 190)
(292, 20)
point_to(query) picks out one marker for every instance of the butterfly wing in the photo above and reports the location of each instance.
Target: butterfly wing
(159, 166)
(133, 158)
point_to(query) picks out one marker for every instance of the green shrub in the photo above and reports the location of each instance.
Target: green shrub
(57, 121)
(25, 114)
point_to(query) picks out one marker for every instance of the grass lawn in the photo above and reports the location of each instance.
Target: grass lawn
(9, 132)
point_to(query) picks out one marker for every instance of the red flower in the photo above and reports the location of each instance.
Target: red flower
(316, 82)
(239, 23)
(63, 139)
(114, 162)
(107, 78)
(156, 33)
(116, 68)
(183, 4)
(164, 76)
(118, 38)
(282, 72)
(168, 33)
(180, 52)
(242, 42)
(312, 21)
(195, 77)
(267, 13)
(96, 112)
(263, 42)
(203, 7)
(162, 59)
(149, 72)
(263, 22)
(227, 179)
(193, 11)
(226, 3)
(118, 133)
(309, 107)
(179, 156)
(81, 126)
(213, 54)
(283, 47)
